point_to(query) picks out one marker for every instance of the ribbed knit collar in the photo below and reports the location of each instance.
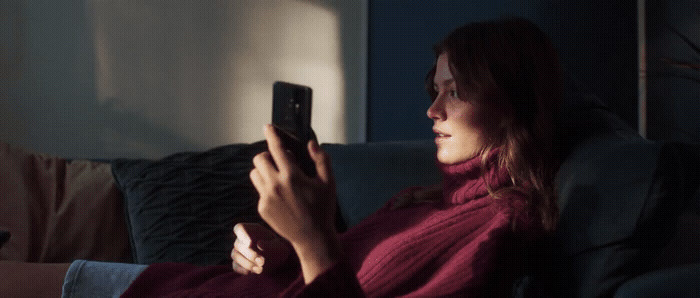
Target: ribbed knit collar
(464, 181)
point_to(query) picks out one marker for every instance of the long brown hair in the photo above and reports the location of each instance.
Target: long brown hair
(515, 68)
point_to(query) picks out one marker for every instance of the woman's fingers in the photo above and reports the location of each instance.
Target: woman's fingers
(245, 254)
(245, 250)
(243, 245)
(242, 235)
(245, 259)
(264, 163)
(274, 146)
(322, 161)
(257, 179)
(242, 265)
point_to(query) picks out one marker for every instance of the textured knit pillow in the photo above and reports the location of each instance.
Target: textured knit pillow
(182, 208)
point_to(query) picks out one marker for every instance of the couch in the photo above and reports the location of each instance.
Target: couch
(629, 227)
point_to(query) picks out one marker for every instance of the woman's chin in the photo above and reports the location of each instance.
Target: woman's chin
(449, 157)
(445, 158)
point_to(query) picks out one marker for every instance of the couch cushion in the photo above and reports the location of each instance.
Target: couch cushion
(619, 201)
(182, 208)
(685, 244)
(49, 205)
(367, 175)
(681, 281)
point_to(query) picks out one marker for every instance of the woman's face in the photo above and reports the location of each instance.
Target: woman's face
(459, 132)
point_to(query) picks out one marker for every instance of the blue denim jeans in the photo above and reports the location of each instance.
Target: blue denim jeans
(99, 279)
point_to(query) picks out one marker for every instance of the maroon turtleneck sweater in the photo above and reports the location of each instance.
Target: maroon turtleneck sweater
(463, 244)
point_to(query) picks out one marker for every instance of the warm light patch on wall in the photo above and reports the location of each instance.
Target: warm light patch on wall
(297, 43)
(203, 71)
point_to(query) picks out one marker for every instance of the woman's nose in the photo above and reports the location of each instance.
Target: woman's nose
(435, 110)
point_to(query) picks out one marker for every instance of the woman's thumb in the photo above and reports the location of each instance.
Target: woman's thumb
(321, 160)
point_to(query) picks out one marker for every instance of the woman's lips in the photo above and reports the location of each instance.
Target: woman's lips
(439, 137)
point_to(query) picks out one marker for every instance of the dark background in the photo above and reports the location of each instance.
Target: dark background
(673, 92)
(596, 39)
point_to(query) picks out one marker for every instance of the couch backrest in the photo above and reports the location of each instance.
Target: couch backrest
(620, 197)
(367, 175)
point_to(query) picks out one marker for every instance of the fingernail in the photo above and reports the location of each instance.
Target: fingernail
(260, 261)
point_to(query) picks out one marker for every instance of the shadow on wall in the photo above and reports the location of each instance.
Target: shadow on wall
(86, 129)
(128, 134)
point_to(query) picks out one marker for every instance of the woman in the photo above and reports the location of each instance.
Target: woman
(495, 87)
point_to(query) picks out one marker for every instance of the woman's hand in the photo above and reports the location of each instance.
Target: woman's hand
(299, 208)
(257, 249)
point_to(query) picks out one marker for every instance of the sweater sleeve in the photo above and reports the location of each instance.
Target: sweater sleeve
(338, 281)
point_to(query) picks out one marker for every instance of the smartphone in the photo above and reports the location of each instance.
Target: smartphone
(291, 116)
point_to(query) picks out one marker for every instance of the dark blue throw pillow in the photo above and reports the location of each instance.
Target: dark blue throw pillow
(182, 208)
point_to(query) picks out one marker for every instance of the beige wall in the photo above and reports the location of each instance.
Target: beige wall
(179, 75)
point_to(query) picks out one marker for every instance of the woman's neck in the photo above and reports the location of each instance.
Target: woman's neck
(472, 178)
